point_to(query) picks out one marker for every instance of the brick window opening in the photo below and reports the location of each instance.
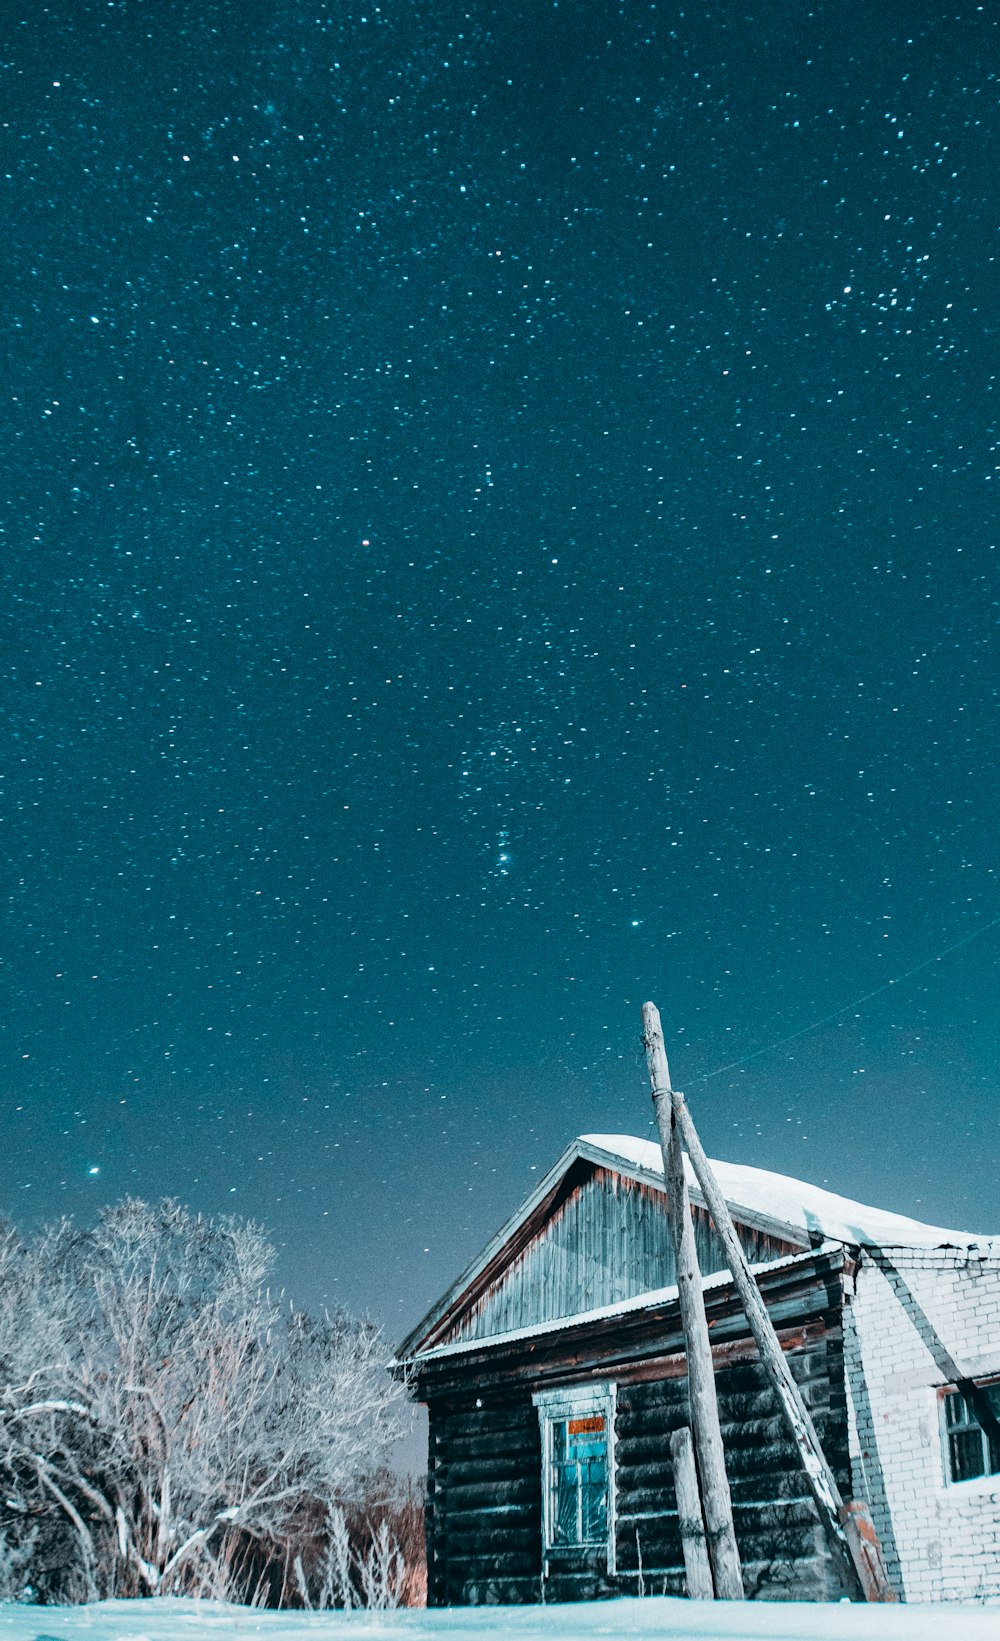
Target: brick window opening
(969, 1449)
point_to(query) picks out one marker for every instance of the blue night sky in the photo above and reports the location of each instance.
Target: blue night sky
(499, 523)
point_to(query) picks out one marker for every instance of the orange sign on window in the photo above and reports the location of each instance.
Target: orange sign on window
(586, 1427)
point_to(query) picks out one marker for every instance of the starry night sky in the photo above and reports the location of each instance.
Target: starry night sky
(499, 523)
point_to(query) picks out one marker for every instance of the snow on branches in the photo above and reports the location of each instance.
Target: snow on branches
(168, 1424)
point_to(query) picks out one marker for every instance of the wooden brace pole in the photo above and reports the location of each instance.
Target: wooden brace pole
(840, 1520)
(697, 1571)
(716, 1501)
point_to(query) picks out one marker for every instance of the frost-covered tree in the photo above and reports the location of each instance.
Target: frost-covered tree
(167, 1423)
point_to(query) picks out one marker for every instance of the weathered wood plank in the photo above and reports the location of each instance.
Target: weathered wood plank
(487, 1493)
(578, 1587)
(463, 1471)
(516, 1563)
(499, 1419)
(697, 1569)
(496, 1592)
(606, 1241)
(467, 1541)
(649, 1542)
(481, 1446)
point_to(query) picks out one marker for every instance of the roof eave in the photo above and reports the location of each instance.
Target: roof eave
(718, 1286)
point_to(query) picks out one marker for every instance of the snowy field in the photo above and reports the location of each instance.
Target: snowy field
(655, 1619)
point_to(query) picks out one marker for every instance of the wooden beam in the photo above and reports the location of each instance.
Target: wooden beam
(697, 1570)
(858, 1554)
(716, 1502)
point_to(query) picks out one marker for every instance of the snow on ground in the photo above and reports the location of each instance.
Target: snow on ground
(655, 1619)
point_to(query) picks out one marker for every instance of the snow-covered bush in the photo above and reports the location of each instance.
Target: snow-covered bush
(167, 1423)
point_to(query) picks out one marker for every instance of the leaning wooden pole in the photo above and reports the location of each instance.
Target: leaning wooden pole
(716, 1502)
(852, 1537)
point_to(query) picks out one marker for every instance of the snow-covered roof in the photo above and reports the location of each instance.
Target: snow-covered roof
(792, 1202)
(799, 1214)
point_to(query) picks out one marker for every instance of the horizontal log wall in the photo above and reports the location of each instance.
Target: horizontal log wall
(484, 1535)
(485, 1482)
(782, 1544)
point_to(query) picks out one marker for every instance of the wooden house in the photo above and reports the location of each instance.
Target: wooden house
(554, 1373)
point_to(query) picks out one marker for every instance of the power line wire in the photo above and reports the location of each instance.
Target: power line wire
(897, 980)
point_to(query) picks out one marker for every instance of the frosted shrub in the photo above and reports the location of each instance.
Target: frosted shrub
(15, 1564)
(347, 1577)
(335, 1567)
(382, 1571)
(170, 1422)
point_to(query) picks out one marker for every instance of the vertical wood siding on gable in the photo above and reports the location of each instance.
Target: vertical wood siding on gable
(608, 1241)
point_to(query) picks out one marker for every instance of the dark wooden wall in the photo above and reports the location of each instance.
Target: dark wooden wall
(484, 1504)
(782, 1545)
(484, 1516)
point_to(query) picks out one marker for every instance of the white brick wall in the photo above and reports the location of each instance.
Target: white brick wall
(911, 1328)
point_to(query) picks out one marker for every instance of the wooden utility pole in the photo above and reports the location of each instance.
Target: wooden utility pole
(848, 1526)
(716, 1502)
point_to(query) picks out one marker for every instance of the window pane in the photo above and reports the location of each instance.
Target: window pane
(972, 1451)
(579, 1504)
(958, 1414)
(965, 1450)
(595, 1501)
(992, 1394)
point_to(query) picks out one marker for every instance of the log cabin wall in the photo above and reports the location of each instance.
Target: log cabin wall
(782, 1544)
(485, 1470)
(484, 1502)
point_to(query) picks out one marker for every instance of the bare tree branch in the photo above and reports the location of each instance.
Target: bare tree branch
(163, 1401)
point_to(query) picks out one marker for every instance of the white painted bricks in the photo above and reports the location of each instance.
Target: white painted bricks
(941, 1540)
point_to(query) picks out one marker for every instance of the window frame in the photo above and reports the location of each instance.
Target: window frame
(576, 1402)
(990, 1473)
